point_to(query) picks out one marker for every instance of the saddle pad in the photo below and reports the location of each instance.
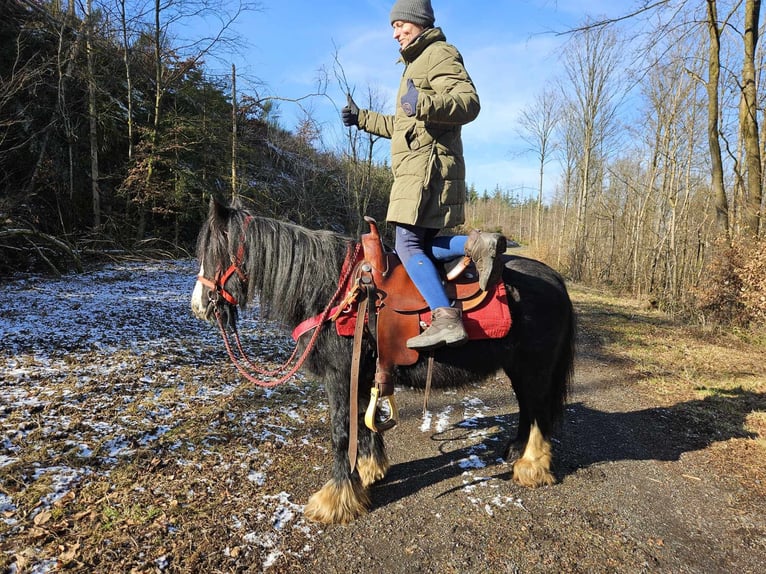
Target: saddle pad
(490, 320)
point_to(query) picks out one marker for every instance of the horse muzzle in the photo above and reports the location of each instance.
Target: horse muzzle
(199, 303)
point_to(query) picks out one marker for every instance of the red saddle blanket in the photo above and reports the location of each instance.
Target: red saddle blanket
(491, 319)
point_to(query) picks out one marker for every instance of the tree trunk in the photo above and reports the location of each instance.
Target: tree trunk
(93, 119)
(716, 163)
(128, 76)
(233, 131)
(749, 122)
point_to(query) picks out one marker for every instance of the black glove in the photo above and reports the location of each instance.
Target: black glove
(350, 113)
(410, 99)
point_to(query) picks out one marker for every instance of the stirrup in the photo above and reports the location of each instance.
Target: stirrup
(384, 422)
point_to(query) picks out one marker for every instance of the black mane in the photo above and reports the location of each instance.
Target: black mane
(293, 270)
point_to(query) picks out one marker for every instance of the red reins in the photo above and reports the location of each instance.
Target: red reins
(218, 286)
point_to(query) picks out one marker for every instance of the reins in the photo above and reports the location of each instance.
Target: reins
(218, 288)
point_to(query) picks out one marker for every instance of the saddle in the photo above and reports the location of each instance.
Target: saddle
(381, 300)
(400, 311)
(399, 306)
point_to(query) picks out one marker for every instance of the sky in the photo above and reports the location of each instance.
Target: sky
(510, 48)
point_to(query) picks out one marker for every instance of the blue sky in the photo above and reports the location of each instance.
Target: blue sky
(510, 49)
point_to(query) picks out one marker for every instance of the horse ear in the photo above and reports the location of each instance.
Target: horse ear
(218, 210)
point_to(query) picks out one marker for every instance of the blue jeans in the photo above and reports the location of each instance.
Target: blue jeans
(417, 248)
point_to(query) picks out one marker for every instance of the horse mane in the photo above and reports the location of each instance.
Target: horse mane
(293, 270)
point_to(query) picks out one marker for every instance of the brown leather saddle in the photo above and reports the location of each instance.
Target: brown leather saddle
(397, 309)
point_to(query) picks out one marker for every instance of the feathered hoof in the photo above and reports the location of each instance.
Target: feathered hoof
(372, 469)
(338, 503)
(532, 473)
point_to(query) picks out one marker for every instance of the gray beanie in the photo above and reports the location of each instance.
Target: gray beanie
(416, 11)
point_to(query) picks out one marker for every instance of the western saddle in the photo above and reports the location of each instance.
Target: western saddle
(398, 306)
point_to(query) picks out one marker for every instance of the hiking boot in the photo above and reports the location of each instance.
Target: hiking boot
(485, 250)
(446, 329)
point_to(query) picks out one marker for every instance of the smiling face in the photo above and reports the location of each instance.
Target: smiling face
(406, 32)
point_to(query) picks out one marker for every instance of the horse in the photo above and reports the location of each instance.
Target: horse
(294, 272)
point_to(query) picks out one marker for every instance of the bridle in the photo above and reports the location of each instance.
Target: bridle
(218, 295)
(217, 286)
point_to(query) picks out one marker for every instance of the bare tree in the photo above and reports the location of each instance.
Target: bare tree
(127, 23)
(537, 124)
(749, 120)
(712, 86)
(92, 117)
(169, 16)
(591, 63)
(234, 141)
(361, 152)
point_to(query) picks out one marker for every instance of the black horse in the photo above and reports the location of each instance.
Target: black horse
(294, 271)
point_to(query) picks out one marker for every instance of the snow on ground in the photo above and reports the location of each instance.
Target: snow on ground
(70, 351)
(97, 365)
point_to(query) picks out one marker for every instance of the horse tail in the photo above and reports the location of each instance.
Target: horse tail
(563, 370)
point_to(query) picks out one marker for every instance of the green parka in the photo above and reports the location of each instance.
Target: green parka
(426, 149)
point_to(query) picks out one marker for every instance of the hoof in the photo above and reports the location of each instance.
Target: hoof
(371, 469)
(533, 469)
(532, 473)
(338, 503)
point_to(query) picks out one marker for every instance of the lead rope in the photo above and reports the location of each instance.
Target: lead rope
(260, 382)
(256, 368)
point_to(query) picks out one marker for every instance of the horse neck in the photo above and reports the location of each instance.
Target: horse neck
(294, 270)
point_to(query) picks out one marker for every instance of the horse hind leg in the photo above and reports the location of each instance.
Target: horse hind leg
(533, 468)
(539, 406)
(532, 445)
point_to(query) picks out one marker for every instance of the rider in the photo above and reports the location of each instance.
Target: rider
(436, 97)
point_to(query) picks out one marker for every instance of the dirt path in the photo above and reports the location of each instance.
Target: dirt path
(637, 490)
(128, 446)
(634, 496)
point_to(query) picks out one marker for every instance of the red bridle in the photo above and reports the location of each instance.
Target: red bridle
(218, 284)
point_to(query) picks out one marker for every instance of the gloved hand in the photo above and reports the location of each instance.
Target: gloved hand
(410, 99)
(350, 113)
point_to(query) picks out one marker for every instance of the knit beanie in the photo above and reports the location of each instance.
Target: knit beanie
(416, 11)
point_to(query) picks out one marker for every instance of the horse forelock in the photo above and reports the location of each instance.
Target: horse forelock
(212, 247)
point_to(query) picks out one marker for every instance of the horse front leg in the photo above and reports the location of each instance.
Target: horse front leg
(345, 496)
(372, 463)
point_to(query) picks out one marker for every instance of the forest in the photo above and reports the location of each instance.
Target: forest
(113, 141)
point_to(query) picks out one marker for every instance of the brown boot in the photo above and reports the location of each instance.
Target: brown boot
(485, 250)
(446, 329)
